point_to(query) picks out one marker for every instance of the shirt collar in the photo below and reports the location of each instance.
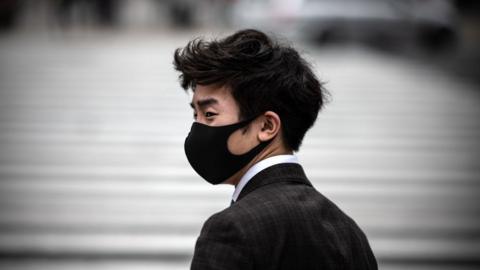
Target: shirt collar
(260, 166)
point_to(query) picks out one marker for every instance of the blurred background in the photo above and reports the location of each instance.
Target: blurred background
(92, 123)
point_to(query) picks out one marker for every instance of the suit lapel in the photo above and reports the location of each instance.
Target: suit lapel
(285, 172)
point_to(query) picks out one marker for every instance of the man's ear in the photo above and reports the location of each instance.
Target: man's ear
(270, 126)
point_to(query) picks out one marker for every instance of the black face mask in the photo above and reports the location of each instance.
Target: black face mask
(207, 151)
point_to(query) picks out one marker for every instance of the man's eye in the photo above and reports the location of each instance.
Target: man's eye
(210, 114)
(194, 116)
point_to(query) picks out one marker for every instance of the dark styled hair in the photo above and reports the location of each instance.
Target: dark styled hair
(262, 75)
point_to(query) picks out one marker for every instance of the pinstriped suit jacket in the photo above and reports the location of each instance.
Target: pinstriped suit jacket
(281, 222)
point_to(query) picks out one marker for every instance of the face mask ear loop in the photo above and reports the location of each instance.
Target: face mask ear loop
(246, 124)
(249, 120)
(243, 126)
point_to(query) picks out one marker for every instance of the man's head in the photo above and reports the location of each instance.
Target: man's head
(252, 75)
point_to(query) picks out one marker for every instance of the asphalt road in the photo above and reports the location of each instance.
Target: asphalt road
(93, 174)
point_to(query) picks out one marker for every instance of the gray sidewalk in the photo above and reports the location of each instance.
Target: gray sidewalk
(93, 174)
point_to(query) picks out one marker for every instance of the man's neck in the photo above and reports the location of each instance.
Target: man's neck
(274, 150)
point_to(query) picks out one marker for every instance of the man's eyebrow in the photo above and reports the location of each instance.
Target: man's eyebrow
(204, 102)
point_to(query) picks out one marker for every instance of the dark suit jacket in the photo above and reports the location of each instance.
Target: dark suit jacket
(281, 222)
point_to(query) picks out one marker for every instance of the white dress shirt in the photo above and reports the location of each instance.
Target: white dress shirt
(258, 167)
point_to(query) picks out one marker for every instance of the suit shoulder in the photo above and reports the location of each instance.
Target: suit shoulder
(225, 221)
(290, 202)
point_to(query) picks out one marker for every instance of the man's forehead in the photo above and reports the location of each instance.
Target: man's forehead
(211, 89)
(210, 94)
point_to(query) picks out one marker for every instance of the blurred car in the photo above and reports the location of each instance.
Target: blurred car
(383, 22)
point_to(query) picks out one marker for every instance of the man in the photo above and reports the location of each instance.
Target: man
(253, 101)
